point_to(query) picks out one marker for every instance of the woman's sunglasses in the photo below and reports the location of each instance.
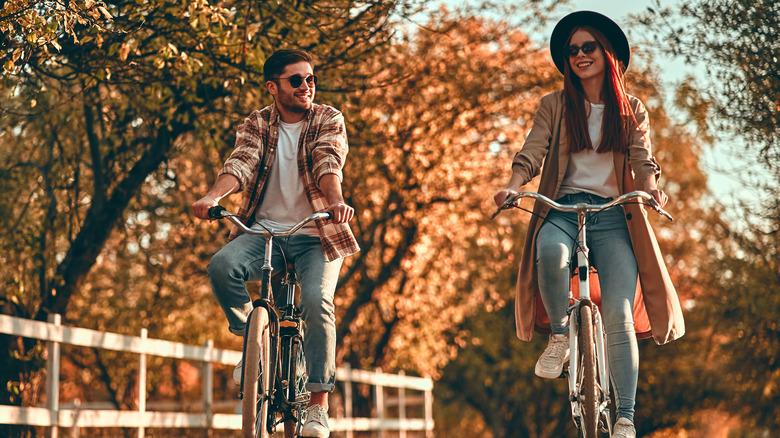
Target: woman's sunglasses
(297, 80)
(586, 48)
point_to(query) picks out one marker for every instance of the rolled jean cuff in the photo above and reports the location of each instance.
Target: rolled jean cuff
(320, 387)
(237, 332)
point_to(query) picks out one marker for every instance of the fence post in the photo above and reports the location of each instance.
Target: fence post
(348, 399)
(402, 406)
(142, 383)
(53, 379)
(208, 387)
(428, 413)
(74, 431)
(380, 404)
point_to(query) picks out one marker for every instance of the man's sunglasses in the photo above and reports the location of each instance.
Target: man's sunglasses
(586, 48)
(297, 80)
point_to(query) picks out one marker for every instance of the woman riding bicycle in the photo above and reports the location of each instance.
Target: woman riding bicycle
(593, 139)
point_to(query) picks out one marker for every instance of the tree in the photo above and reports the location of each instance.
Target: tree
(423, 159)
(735, 41)
(100, 98)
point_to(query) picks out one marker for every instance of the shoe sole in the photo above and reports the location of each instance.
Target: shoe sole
(544, 375)
(548, 375)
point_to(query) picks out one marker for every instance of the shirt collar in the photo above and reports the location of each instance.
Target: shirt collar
(276, 117)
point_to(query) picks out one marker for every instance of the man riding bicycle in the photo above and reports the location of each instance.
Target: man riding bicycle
(288, 161)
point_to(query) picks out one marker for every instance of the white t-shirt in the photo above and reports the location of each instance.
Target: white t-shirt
(589, 171)
(284, 201)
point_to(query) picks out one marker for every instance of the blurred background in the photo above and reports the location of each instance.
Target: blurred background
(116, 115)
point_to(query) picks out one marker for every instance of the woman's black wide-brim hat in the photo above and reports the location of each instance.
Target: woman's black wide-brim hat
(602, 23)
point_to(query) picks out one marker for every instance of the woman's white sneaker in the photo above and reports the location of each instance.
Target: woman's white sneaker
(550, 364)
(624, 428)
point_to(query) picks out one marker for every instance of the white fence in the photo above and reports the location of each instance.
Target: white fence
(74, 416)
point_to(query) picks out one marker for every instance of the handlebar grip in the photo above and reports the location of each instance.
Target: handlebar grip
(216, 211)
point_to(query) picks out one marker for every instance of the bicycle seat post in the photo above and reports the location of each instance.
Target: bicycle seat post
(289, 282)
(267, 268)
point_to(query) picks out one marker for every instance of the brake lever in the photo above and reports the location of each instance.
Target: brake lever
(657, 207)
(510, 200)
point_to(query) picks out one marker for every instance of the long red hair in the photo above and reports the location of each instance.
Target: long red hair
(618, 117)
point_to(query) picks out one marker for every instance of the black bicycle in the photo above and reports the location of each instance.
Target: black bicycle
(273, 382)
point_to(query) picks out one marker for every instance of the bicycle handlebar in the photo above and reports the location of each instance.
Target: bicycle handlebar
(219, 212)
(511, 201)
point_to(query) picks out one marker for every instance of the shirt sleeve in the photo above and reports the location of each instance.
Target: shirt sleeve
(248, 150)
(330, 147)
(528, 161)
(640, 154)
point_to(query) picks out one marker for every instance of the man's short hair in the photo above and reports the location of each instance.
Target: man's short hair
(280, 59)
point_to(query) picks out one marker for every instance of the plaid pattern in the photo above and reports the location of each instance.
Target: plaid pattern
(322, 150)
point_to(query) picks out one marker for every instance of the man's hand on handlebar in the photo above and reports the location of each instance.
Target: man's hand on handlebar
(201, 207)
(340, 212)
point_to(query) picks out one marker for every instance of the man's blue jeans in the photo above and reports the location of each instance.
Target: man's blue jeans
(241, 261)
(612, 254)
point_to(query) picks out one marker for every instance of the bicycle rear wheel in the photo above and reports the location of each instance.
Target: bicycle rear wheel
(257, 380)
(300, 375)
(294, 366)
(587, 381)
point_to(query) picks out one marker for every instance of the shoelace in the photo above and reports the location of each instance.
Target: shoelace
(317, 413)
(557, 349)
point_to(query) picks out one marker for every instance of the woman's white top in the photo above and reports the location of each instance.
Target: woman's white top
(589, 171)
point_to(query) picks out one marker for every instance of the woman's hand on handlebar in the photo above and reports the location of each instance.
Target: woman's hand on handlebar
(340, 212)
(659, 196)
(502, 196)
(651, 187)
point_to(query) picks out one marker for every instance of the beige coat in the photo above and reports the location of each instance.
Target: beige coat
(657, 309)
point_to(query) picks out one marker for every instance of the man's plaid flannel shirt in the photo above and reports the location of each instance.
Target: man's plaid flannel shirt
(322, 150)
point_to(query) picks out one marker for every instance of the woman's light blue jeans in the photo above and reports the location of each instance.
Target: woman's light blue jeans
(612, 254)
(241, 261)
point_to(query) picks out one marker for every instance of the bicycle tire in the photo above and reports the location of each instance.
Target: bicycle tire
(256, 390)
(587, 363)
(296, 377)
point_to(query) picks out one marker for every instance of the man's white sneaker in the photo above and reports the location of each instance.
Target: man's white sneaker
(316, 424)
(550, 364)
(624, 428)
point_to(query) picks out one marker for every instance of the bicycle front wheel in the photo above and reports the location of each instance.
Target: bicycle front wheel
(257, 380)
(587, 381)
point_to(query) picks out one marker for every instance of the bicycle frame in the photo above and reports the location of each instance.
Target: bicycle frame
(285, 329)
(602, 390)
(602, 378)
